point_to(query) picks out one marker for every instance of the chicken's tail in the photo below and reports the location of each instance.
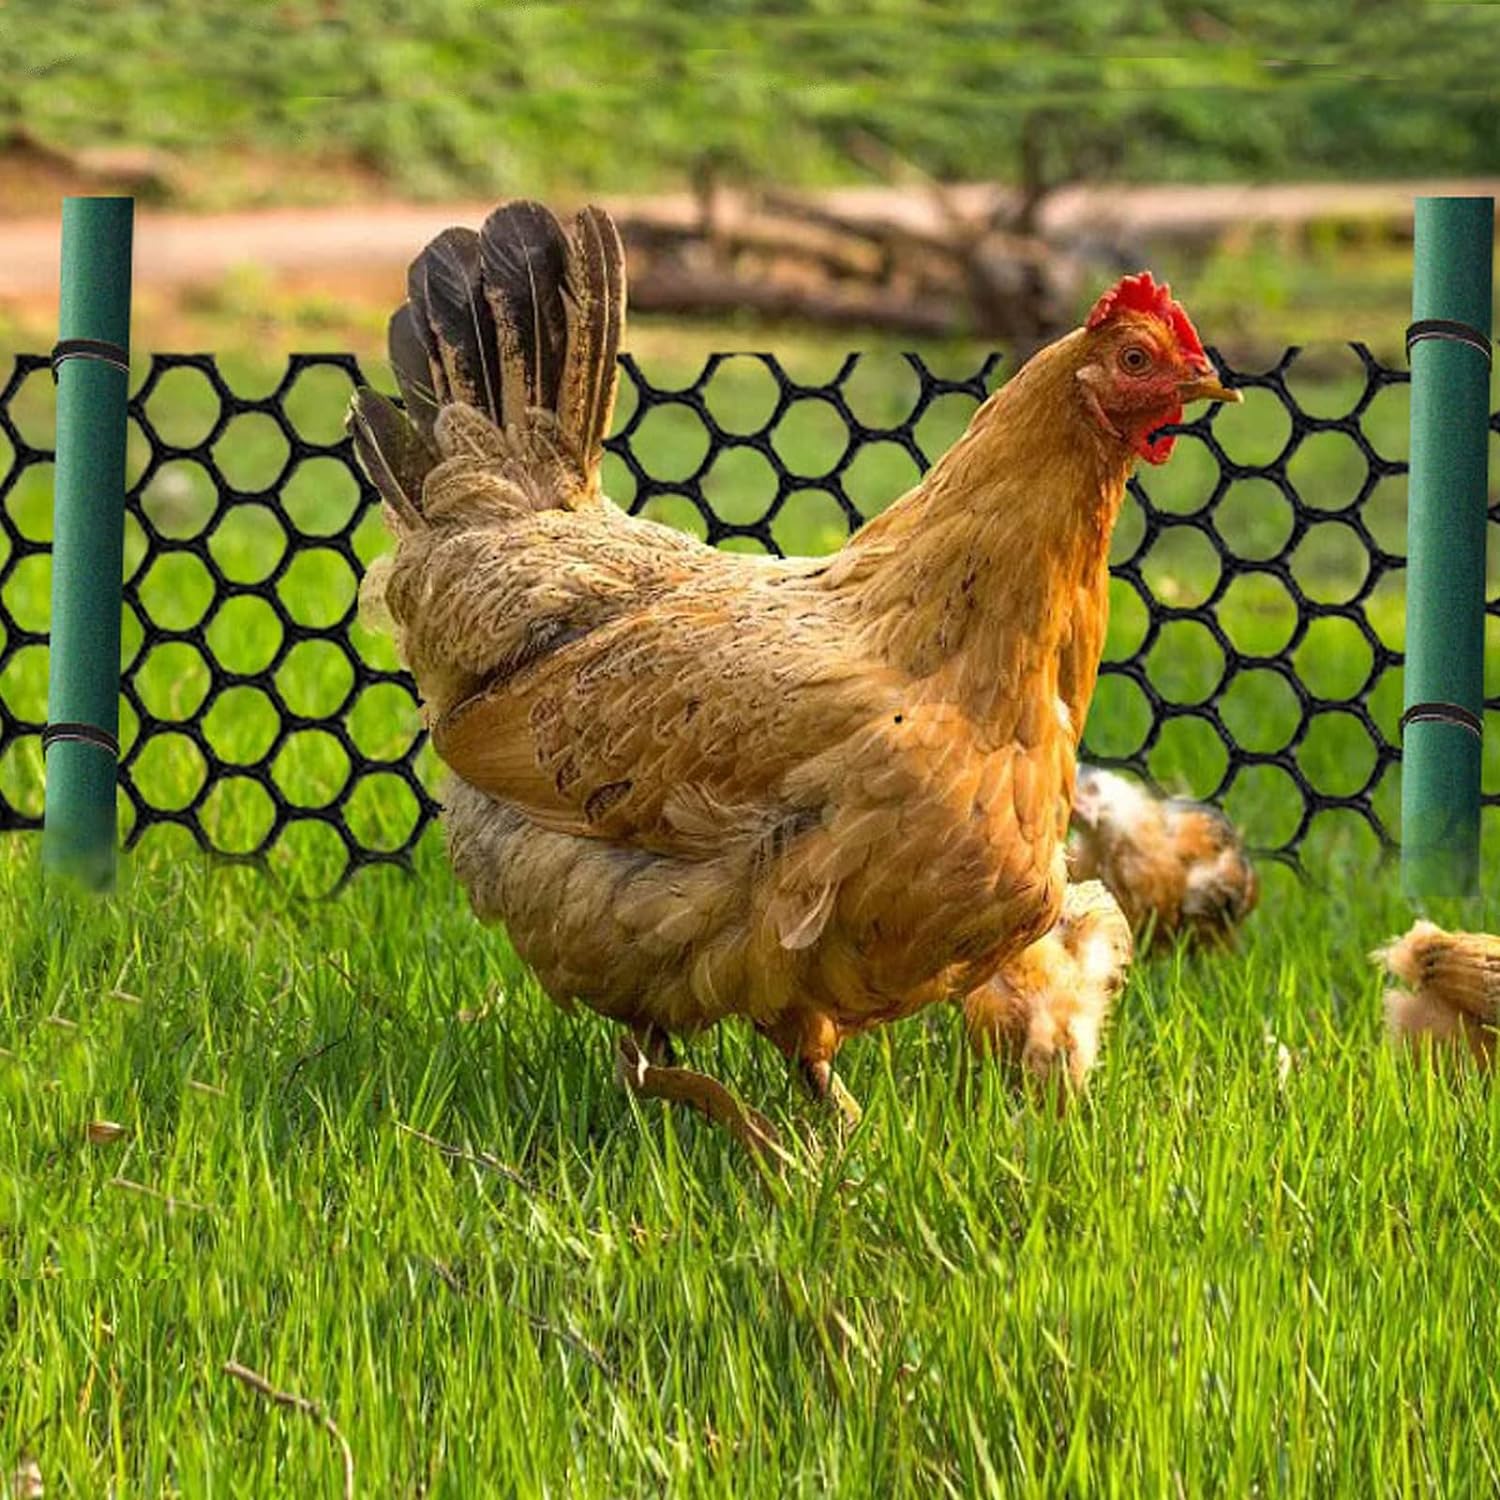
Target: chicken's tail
(520, 323)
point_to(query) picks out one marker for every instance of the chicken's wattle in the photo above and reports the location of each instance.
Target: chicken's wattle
(1155, 445)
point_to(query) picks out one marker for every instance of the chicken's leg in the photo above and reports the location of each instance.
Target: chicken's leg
(809, 1040)
(637, 1070)
(656, 1043)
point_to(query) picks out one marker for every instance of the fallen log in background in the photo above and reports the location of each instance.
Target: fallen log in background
(779, 255)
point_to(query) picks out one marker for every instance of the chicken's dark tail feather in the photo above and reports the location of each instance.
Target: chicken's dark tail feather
(521, 321)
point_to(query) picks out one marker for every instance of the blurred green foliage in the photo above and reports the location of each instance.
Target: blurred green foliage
(446, 94)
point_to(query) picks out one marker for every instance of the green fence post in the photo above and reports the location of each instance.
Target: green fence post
(1449, 348)
(91, 365)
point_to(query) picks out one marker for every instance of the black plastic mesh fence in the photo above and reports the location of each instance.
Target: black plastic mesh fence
(1256, 612)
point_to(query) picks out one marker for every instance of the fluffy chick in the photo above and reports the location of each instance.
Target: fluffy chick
(1047, 1007)
(1452, 994)
(1176, 867)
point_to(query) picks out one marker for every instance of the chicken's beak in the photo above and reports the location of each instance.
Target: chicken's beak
(1206, 386)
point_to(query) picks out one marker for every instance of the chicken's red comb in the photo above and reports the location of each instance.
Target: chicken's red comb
(1141, 294)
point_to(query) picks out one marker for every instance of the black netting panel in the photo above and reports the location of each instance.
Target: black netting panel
(275, 695)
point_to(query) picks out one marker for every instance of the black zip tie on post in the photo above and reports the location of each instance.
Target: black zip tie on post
(1443, 713)
(89, 734)
(100, 349)
(1446, 328)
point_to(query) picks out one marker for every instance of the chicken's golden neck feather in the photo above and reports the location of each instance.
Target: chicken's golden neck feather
(989, 581)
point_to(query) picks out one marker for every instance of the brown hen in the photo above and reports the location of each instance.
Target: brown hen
(817, 794)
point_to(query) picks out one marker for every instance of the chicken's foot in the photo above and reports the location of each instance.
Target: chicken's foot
(652, 1080)
(828, 1088)
(656, 1043)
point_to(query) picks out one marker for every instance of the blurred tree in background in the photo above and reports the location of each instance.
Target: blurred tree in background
(445, 95)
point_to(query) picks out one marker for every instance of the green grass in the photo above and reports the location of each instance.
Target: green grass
(1198, 1282)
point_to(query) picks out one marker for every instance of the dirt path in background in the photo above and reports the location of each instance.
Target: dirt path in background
(339, 248)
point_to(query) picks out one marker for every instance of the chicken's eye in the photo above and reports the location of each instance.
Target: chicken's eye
(1134, 360)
